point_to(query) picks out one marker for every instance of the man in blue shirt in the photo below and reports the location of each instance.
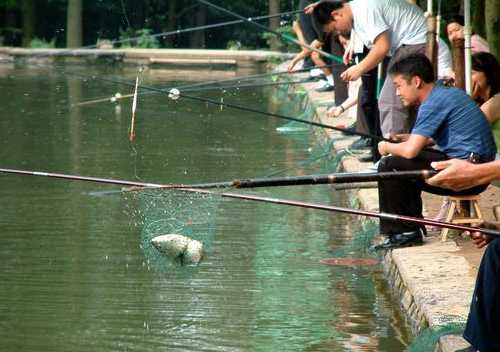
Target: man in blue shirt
(447, 117)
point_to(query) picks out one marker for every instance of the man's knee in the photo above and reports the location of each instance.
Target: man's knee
(387, 163)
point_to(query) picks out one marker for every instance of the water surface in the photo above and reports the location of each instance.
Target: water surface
(77, 274)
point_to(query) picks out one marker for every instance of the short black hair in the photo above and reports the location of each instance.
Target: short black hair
(456, 19)
(488, 64)
(322, 12)
(414, 65)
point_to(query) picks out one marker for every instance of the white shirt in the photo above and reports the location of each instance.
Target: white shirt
(356, 43)
(405, 22)
(445, 63)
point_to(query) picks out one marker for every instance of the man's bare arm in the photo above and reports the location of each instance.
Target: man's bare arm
(458, 174)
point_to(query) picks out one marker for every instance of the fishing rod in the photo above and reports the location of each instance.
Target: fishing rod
(177, 32)
(175, 94)
(229, 87)
(307, 205)
(250, 183)
(119, 96)
(276, 33)
(325, 179)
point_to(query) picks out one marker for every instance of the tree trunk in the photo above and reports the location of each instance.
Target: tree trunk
(74, 28)
(432, 48)
(171, 21)
(478, 19)
(458, 51)
(198, 37)
(28, 21)
(274, 22)
(492, 11)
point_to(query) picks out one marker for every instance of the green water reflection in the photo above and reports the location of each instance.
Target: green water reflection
(76, 276)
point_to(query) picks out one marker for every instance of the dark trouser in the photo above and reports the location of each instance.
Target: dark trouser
(483, 323)
(403, 197)
(306, 24)
(341, 86)
(307, 27)
(368, 115)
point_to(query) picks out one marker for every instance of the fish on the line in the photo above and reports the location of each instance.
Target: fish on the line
(181, 247)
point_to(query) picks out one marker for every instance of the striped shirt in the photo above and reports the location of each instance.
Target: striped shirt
(456, 124)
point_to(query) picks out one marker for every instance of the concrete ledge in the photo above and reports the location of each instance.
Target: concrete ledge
(196, 57)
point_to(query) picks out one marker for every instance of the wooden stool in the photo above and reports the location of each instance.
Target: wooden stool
(475, 216)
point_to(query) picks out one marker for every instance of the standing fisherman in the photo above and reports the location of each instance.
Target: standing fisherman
(393, 28)
(447, 117)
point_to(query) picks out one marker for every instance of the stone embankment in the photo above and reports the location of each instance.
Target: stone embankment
(192, 58)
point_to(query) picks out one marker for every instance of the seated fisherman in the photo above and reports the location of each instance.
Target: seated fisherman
(446, 116)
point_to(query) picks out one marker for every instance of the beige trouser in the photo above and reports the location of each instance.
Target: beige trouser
(394, 117)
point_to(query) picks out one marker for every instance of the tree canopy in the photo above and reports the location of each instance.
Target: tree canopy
(49, 22)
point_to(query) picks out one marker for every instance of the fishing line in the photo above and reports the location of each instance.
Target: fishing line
(174, 32)
(228, 87)
(278, 34)
(124, 11)
(118, 96)
(175, 94)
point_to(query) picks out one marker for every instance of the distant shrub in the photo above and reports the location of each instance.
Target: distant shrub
(140, 38)
(38, 43)
(283, 44)
(233, 45)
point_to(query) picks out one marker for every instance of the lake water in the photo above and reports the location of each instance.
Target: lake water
(77, 272)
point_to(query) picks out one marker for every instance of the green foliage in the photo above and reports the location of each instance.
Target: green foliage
(10, 4)
(38, 43)
(235, 45)
(140, 38)
(283, 44)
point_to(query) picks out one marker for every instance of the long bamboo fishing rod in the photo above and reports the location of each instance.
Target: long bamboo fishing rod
(175, 94)
(330, 208)
(323, 179)
(276, 33)
(336, 178)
